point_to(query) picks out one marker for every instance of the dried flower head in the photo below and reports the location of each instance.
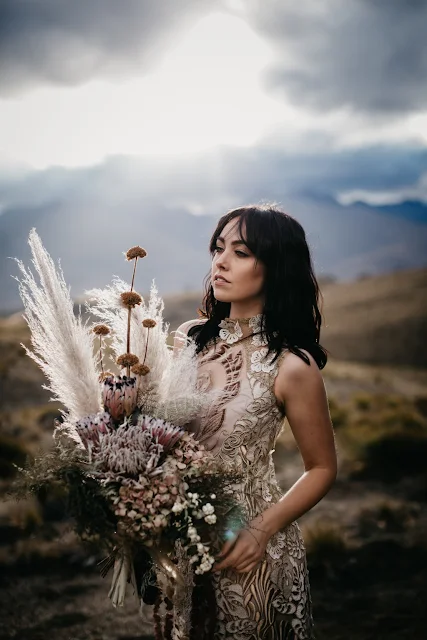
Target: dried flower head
(135, 252)
(127, 360)
(130, 299)
(140, 369)
(105, 375)
(148, 323)
(119, 395)
(101, 330)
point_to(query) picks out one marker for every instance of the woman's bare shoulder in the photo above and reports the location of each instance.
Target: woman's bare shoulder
(296, 376)
(181, 333)
(293, 364)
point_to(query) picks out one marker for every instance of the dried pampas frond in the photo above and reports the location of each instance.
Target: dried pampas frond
(167, 382)
(106, 304)
(179, 399)
(63, 344)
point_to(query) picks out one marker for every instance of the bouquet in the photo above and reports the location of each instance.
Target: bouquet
(138, 483)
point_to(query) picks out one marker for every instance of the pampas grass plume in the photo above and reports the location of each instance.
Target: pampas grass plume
(62, 343)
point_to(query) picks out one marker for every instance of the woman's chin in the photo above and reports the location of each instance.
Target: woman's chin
(222, 296)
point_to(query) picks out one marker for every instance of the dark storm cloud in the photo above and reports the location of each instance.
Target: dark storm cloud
(369, 55)
(69, 42)
(208, 177)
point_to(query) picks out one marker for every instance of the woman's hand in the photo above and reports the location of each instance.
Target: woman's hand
(245, 550)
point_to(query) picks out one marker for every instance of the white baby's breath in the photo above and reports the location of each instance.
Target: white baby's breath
(210, 519)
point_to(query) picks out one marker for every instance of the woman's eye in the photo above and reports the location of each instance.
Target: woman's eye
(241, 254)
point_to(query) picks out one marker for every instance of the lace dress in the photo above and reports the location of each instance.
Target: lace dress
(271, 602)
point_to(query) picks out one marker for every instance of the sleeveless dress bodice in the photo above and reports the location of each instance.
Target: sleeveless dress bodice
(240, 428)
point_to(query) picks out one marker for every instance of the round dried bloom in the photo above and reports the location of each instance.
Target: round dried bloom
(148, 323)
(101, 330)
(127, 360)
(140, 369)
(105, 375)
(210, 519)
(208, 509)
(130, 298)
(135, 252)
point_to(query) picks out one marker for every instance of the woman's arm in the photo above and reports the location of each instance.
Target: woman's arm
(301, 390)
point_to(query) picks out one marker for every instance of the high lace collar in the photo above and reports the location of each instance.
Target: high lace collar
(234, 329)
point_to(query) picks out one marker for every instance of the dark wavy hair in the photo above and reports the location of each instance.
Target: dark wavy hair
(291, 318)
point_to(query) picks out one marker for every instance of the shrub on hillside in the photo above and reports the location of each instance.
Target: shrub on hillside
(392, 457)
(385, 437)
(11, 453)
(362, 401)
(421, 405)
(339, 414)
(387, 517)
(326, 549)
(324, 540)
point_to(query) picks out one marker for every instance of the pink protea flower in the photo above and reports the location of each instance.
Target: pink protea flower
(90, 428)
(162, 432)
(129, 450)
(119, 395)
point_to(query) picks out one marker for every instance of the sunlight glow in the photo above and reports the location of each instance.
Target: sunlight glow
(390, 197)
(205, 93)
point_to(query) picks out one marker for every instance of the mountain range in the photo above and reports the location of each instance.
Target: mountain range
(88, 217)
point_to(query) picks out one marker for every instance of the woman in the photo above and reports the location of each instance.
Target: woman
(258, 342)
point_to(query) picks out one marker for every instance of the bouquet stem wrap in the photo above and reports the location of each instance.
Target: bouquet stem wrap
(122, 573)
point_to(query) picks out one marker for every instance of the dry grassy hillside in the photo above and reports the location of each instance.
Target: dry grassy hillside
(377, 320)
(365, 540)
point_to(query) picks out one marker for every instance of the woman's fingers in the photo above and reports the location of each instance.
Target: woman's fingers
(245, 567)
(228, 561)
(236, 554)
(227, 547)
(240, 555)
(223, 555)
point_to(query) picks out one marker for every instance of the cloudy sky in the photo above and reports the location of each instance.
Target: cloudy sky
(189, 107)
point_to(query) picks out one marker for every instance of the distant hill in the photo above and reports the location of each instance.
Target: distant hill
(413, 210)
(376, 319)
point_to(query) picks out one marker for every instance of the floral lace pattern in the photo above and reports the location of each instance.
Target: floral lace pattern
(272, 601)
(230, 334)
(260, 361)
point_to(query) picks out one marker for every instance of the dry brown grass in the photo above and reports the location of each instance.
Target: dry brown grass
(378, 320)
(381, 320)
(324, 539)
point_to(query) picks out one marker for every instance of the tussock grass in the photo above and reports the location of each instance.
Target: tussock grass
(387, 517)
(325, 542)
(384, 436)
(11, 453)
(339, 413)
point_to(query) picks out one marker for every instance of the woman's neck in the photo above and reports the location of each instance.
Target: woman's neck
(244, 311)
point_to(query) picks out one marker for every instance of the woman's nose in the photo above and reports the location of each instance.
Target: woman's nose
(222, 260)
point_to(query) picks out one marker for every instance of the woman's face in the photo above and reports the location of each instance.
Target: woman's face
(236, 275)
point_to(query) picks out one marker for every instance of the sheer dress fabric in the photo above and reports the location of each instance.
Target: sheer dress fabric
(271, 602)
